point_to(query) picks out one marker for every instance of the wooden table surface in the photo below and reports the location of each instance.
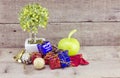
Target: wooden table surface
(104, 63)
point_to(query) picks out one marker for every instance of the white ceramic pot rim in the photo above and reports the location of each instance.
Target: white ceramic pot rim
(26, 41)
(32, 47)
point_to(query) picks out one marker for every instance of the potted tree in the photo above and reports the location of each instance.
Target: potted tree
(31, 17)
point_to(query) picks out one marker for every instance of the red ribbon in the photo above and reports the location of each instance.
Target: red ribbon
(78, 60)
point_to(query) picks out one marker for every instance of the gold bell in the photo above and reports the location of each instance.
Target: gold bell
(18, 56)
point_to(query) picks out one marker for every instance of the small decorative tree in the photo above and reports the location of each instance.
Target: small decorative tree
(31, 17)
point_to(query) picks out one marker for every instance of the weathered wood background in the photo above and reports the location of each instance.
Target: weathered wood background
(97, 21)
(98, 25)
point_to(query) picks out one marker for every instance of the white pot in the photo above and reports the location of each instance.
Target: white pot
(32, 47)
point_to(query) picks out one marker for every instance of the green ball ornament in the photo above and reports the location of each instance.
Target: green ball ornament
(70, 44)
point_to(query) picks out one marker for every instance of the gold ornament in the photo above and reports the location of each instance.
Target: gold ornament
(18, 56)
(39, 63)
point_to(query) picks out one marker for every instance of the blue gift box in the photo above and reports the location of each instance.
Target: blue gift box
(45, 47)
(64, 59)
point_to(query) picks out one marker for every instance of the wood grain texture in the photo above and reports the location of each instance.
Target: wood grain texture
(65, 10)
(89, 34)
(104, 63)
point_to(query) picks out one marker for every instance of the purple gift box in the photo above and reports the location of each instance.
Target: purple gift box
(45, 47)
(64, 59)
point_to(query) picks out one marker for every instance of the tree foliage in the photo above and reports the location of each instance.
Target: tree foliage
(33, 16)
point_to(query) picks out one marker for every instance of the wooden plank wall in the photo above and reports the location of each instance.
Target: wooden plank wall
(97, 21)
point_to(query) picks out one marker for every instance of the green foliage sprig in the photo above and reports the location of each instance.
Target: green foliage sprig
(33, 16)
